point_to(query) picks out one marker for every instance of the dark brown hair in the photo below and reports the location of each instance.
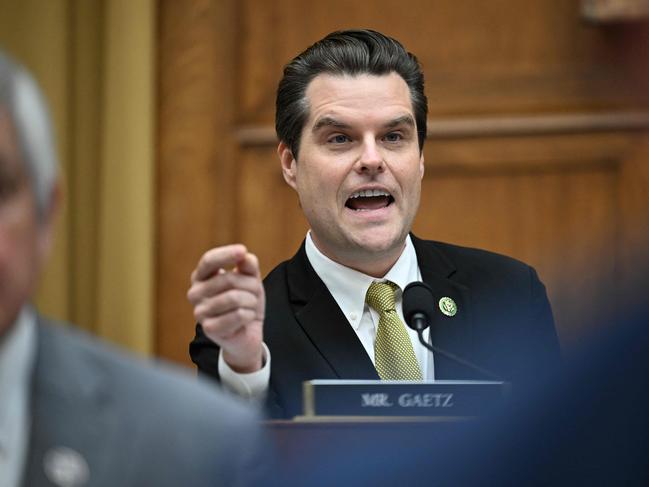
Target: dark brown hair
(349, 52)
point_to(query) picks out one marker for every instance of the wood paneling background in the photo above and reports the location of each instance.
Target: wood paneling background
(536, 145)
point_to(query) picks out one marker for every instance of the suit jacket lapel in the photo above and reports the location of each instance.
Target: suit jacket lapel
(72, 415)
(322, 320)
(450, 333)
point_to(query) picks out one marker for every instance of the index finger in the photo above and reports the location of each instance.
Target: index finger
(218, 258)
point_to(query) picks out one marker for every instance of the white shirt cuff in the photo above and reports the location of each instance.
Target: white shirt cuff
(253, 386)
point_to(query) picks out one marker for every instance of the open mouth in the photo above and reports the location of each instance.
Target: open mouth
(369, 199)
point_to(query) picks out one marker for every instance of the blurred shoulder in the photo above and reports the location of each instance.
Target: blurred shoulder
(134, 383)
(172, 426)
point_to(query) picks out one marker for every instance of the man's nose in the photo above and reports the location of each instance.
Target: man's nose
(370, 159)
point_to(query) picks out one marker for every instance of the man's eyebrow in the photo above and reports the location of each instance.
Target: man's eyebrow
(329, 122)
(403, 120)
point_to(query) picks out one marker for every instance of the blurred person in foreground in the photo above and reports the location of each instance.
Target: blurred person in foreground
(351, 117)
(73, 411)
(585, 424)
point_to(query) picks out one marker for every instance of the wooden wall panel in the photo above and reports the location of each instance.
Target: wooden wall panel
(533, 146)
(271, 223)
(633, 238)
(478, 57)
(196, 180)
(558, 220)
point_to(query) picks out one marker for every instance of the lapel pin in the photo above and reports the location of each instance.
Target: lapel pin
(66, 467)
(447, 306)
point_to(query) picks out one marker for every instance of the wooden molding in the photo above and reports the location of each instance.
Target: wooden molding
(512, 126)
(615, 10)
(537, 125)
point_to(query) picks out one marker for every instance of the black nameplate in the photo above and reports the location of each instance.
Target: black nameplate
(403, 398)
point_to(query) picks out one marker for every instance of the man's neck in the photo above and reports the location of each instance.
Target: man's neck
(375, 264)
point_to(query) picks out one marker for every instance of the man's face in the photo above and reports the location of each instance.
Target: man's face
(359, 171)
(24, 239)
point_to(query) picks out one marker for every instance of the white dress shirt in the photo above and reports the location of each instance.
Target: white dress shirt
(17, 357)
(348, 288)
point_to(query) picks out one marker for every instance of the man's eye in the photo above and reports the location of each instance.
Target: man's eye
(393, 137)
(9, 183)
(338, 139)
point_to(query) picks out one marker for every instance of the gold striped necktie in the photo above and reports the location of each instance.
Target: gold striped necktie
(394, 356)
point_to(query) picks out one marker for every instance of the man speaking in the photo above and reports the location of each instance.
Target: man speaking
(351, 120)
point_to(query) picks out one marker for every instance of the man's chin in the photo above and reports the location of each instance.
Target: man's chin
(356, 245)
(370, 244)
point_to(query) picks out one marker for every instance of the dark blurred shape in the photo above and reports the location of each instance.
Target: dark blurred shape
(587, 425)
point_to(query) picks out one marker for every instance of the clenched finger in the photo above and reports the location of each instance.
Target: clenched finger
(221, 283)
(225, 303)
(224, 326)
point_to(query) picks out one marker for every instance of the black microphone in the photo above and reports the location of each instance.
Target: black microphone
(418, 305)
(418, 310)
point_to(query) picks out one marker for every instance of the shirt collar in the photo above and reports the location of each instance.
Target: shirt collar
(17, 355)
(348, 286)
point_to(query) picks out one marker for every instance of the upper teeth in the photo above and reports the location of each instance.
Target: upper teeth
(369, 192)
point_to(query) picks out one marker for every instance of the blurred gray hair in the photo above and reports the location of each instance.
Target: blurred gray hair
(21, 97)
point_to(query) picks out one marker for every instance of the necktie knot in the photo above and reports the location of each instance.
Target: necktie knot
(380, 296)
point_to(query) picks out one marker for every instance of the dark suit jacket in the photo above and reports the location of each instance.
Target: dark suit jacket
(504, 323)
(129, 423)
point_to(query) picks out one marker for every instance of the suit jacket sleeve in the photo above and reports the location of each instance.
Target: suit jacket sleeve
(204, 353)
(543, 329)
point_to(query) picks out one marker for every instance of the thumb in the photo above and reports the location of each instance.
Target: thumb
(249, 265)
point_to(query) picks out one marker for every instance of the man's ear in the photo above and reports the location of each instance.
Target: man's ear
(48, 220)
(422, 165)
(289, 165)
